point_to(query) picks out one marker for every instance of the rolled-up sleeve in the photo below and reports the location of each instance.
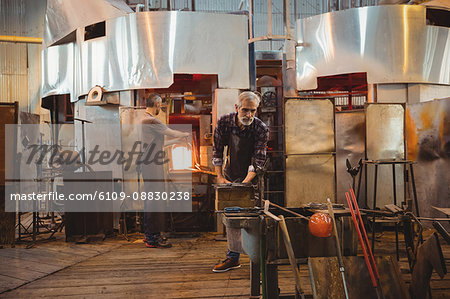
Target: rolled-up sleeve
(259, 154)
(219, 143)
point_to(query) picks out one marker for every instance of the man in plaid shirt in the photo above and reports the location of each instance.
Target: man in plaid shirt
(246, 137)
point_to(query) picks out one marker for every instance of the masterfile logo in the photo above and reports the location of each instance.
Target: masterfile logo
(95, 168)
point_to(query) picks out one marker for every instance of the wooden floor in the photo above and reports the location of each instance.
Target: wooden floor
(116, 268)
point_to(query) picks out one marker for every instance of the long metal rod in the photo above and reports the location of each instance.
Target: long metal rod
(250, 19)
(287, 24)
(338, 246)
(379, 290)
(394, 188)
(269, 18)
(366, 239)
(361, 242)
(287, 210)
(359, 186)
(374, 206)
(413, 182)
(20, 39)
(291, 255)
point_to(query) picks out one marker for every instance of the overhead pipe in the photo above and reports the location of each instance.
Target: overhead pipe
(287, 20)
(269, 18)
(20, 39)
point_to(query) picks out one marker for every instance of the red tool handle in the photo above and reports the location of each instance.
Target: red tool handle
(364, 231)
(355, 222)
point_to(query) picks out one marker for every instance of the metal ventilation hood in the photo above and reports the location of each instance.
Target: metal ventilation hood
(65, 16)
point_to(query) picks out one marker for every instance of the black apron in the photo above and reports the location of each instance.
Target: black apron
(239, 157)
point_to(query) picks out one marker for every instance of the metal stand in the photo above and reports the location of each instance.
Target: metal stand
(83, 161)
(376, 163)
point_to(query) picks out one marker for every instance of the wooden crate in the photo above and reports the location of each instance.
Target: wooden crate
(234, 196)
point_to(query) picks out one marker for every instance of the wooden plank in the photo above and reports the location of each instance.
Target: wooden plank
(7, 283)
(39, 252)
(446, 211)
(40, 257)
(183, 271)
(146, 288)
(75, 249)
(21, 274)
(24, 264)
(328, 281)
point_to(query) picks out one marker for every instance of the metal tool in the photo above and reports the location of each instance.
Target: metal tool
(353, 171)
(442, 231)
(291, 255)
(241, 210)
(338, 246)
(284, 209)
(366, 239)
(363, 246)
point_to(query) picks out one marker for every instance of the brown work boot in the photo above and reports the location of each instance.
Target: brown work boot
(158, 243)
(226, 265)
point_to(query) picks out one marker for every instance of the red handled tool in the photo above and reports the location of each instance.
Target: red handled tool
(366, 239)
(363, 246)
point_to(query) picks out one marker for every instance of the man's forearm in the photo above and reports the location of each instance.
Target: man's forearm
(218, 169)
(220, 178)
(174, 133)
(249, 177)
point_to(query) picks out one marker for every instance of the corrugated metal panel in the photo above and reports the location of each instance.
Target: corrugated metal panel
(13, 88)
(308, 8)
(35, 16)
(10, 17)
(217, 5)
(13, 57)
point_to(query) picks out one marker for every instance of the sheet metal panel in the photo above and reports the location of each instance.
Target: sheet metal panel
(309, 178)
(350, 144)
(129, 134)
(400, 47)
(58, 70)
(309, 126)
(104, 131)
(385, 139)
(64, 17)
(144, 50)
(385, 131)
(428, 143)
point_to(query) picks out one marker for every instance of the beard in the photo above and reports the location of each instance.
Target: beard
(246, 121)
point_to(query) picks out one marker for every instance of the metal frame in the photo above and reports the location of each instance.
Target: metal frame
(334, 130)
(270, 36)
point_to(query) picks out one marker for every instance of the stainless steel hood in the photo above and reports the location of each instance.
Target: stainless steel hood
(391, 43)
(145, 49)
(64, 17)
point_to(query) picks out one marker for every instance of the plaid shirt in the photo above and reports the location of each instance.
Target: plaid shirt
(228, 124)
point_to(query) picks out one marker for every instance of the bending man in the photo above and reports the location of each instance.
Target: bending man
(246, 137)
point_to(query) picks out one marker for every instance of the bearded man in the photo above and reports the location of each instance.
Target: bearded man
(246, 137)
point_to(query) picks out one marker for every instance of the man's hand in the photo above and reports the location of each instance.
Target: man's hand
(222, 180)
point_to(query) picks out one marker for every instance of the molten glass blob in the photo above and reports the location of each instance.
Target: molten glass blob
(320, 225)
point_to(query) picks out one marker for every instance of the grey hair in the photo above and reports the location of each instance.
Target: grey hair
(249, 96)
(151, 99)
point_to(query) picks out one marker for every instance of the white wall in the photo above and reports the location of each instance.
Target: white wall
(411, 93)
